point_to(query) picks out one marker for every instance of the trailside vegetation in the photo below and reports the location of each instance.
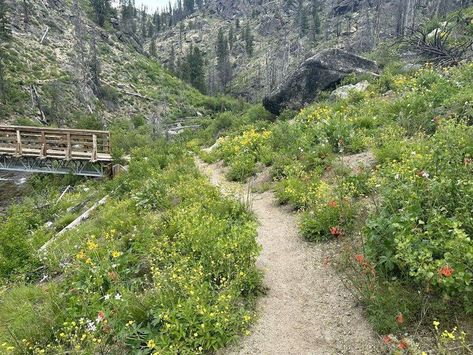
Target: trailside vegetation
(166, 265)
(386, 173)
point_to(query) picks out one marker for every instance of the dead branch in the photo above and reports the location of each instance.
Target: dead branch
(436, 46)
(37, 100)
(74, 223)
(44, 35)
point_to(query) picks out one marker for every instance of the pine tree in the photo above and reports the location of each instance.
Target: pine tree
(196, 65)
(152, 48)
(189, 6)
(249, 40)
(150, 29)
(26, 13)
(101, 10)
(5, 30)
(128, 16)
(231, 37)
(95, 66)
(3, 82)
(157, 21)
(144, 18)
(316, 17)
(302, 19)
(223, 59)
(172, 60)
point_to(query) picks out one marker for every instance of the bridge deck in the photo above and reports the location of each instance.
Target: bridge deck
(55, 143)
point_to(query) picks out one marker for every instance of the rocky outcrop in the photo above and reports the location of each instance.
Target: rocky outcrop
(320, 72)
(343, 92)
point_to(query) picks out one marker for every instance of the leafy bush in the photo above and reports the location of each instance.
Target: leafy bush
(243, 151)
(325, 221)
(425, 222)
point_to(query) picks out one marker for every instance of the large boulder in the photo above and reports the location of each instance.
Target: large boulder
(320, 72)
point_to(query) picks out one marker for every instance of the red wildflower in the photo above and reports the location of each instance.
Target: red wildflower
(399, 319)
(360, 259)
(446, 271)
(403, 345)
(333, 204)
(387, 340)
(100, 316)
(335, 231)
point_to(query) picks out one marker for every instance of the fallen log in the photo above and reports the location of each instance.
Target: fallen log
(74, 223)
(44, 35)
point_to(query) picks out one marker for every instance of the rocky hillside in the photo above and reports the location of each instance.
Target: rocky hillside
(60, 68)
(286, 32)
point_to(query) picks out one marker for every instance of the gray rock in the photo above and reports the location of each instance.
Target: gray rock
(411, 67)
(320, 72)
(344, 91)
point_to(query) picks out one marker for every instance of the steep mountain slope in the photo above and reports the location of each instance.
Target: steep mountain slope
(61, 68)
(285, 32)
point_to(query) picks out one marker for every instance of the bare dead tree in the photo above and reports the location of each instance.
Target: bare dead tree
(436, 46)
(81, 70)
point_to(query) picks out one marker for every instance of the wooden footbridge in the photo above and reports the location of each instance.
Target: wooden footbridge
(55, 150)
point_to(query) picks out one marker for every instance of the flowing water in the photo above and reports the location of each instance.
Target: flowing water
(11, 187)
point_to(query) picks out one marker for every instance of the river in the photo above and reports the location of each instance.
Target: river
(11, 188)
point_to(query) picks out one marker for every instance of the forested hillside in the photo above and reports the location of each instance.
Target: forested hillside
(249, 47)
(60, 65)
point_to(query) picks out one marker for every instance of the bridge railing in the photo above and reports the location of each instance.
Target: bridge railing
(55, 143)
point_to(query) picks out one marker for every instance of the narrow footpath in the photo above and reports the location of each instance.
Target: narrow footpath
(307, 309)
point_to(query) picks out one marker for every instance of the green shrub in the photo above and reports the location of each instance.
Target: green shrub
(242, 167)
(327, 221)
(425, 222)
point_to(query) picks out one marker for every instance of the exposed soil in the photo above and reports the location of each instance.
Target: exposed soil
(307, 309)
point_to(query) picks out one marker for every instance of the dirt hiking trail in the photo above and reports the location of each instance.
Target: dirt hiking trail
(306, 309)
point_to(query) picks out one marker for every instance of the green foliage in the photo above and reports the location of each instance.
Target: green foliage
(166, 265)
(327, 221)
(5, 30)
(102, 11)
(425, 220)
(416, 240)
(88, 122)
(249, 40)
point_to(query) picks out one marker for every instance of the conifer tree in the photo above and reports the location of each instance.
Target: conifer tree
(302, 19)
(196, 65)
(249, 40)
(143, 21)
(316, 18)
(26, 13)
(189, 6)
(95, 66)
(231, 37)
(150, 29)
(5, 30)
(3, 82)
(223, 59)
(101, 10)
(157, 21)
(152, 48)
(172, 60)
